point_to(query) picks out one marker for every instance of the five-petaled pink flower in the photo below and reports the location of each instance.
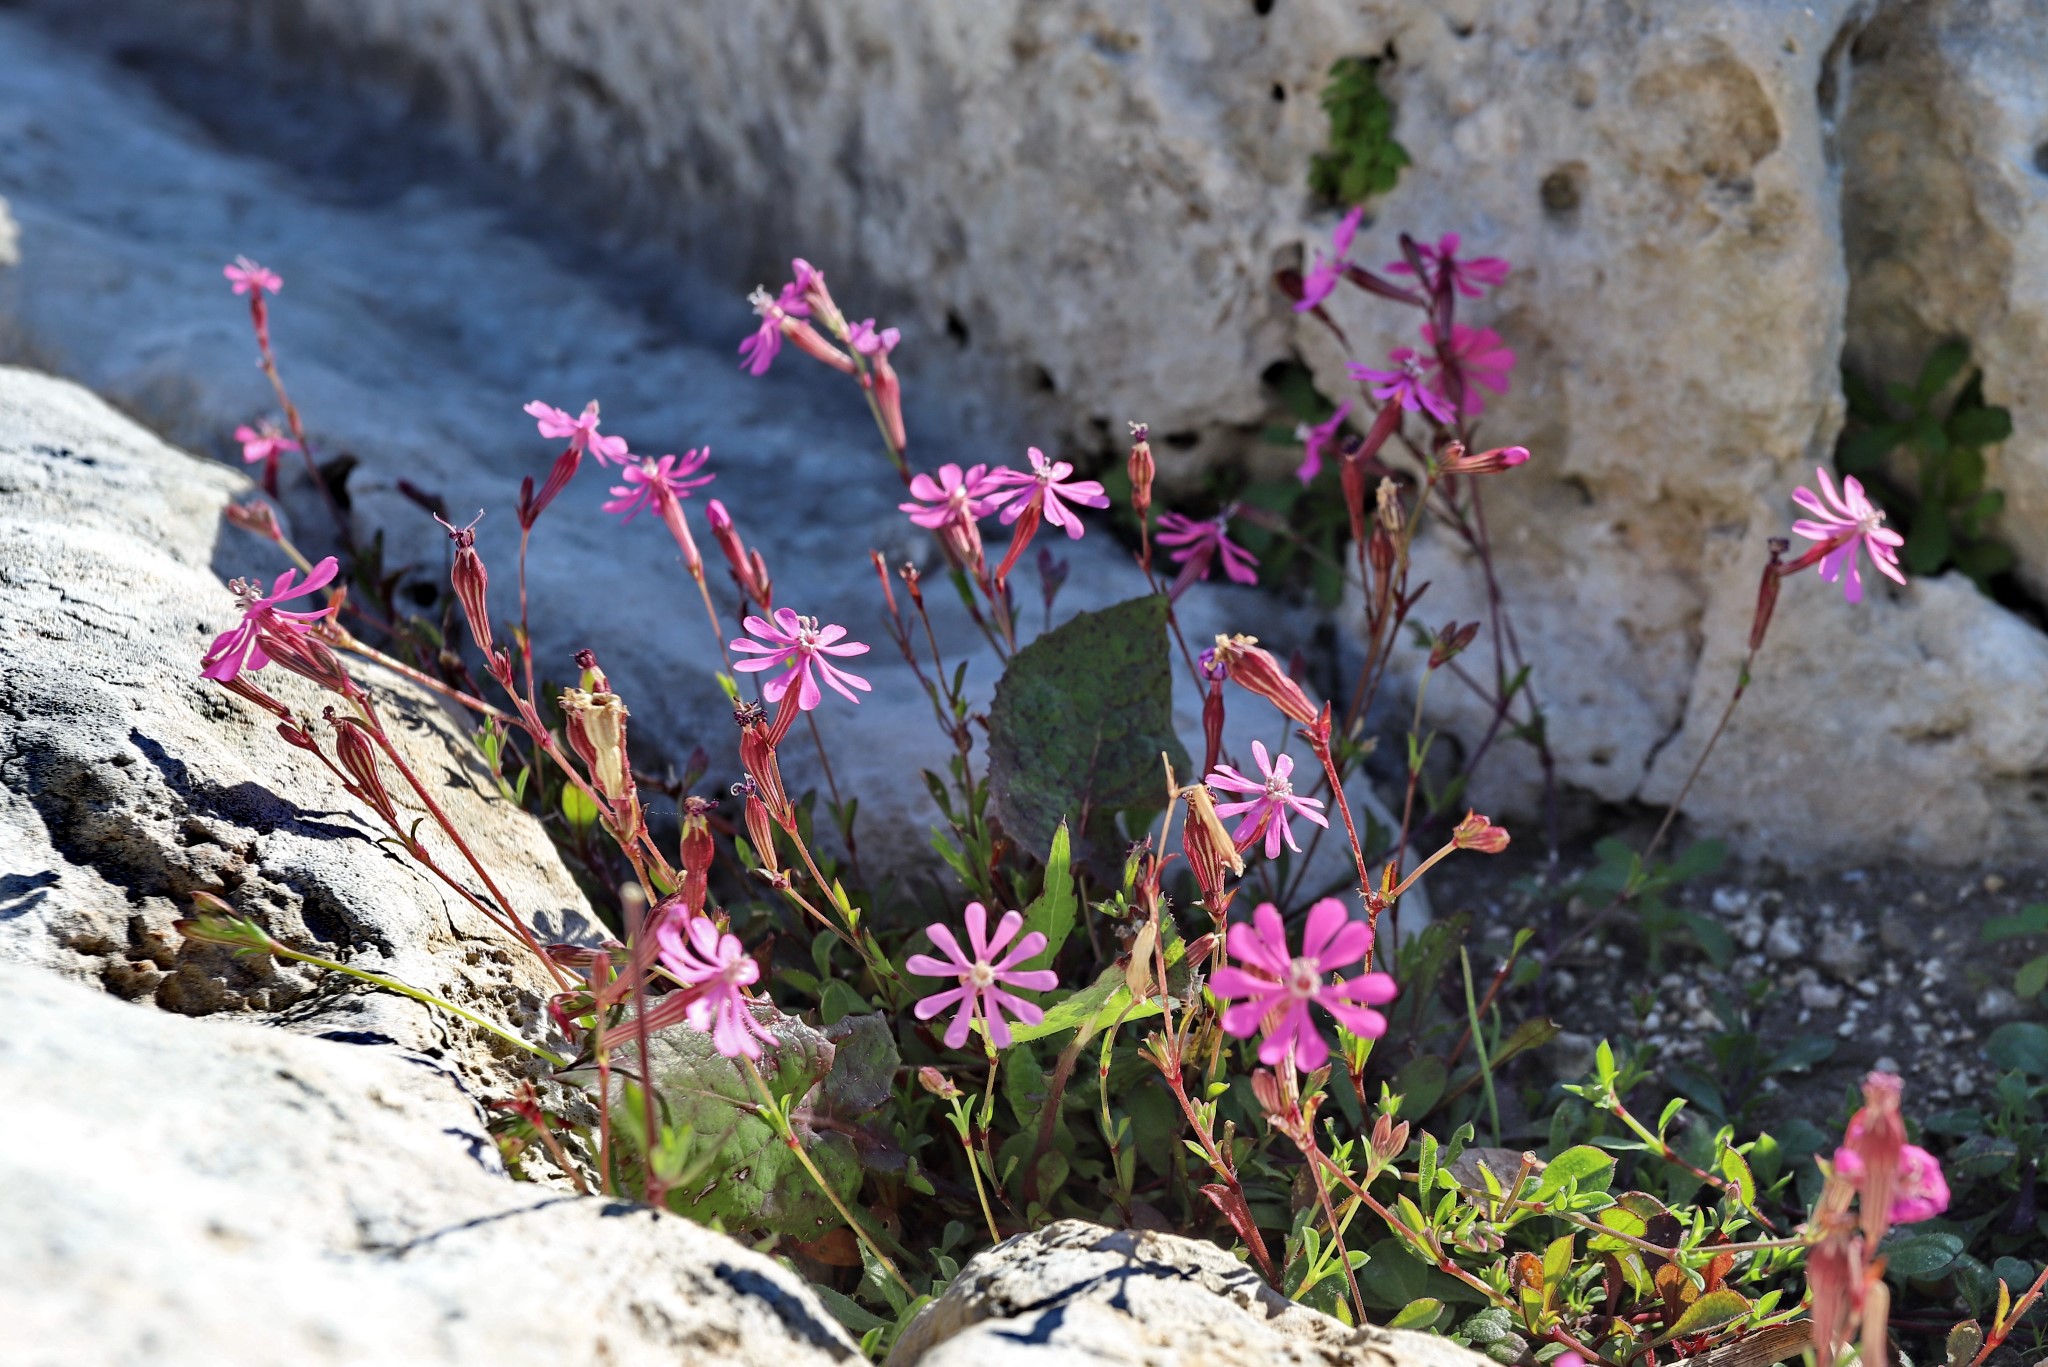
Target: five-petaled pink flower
(1468, 276)
(1481, 358)
(580, 432)
(951, 496)
(240, 647)
(1315, 438)
(1199, 544)
(1844, 522)
(1320, 281)
(1274, 989)
(651, 481)
(1267, 812)
(799, 643)
(983, 977)
(246, 276)
(1919, 1190)
(1404, 385)
(263, 442)
(696, 955)
(1043, 488)
(864, 338)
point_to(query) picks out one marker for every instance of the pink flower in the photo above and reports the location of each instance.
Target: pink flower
(759, 348)
(1480, 357)
(799, 643)
(696, 955)
(983, 977)
(651, 481)
(1919, 1191)
(1467, 276)
(580, 432)
(1043, 489)
(240, 647)
(1275, 989)
(1404, 385)
(953, 496)
(1199, 545)
(1898, 1182)
(1314, 439)
(1842, 523)
(863, 338)
(263, 442)
(248, 277)
(1270, 809)
(1320, 280)
(784, 316)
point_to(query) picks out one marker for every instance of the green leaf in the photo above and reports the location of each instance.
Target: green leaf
(1864, 451)
(578, 808)
(1944, 363)
(1419, 1313)
(1700, 858)
(1588, 1167)
(1712, 1309)
(2032, 979)
(1927, 545)
(847, 1310)
(1922, 1255)
(2031, 920)
(1736, 1169)
(1053, 911)
(2019, 1044)
(1976, 427)
(1420, 1085)
(1801, 1054)
(1079, 720)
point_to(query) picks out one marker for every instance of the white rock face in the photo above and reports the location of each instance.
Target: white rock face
(1076, 1292)
(186, 1192)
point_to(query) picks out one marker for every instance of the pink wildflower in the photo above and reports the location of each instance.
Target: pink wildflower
(696, 955)
(786, 316)
(248, 277)
(1314, 439)
(240, 647)
(1274, 989)
(951, 496)
(983, 977)
(1479, 355)
(650, 483)
(1042, 490)
(1405, 385)
(1269, 811)
(863, 337)
(580, 432)
(1200, 543)
(1442, 260)
(1843, 523)
(263, 442)
(1919, 1190)
(799, 643)
(1319, 282)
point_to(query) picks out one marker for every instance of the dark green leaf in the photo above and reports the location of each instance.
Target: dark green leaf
(1079, 720)
(1944, 363)
(2032, 979)
(1053, 910)
(2020, 1044)
(1712, 1309)
(1927, 545)
(1585, 1165)
(1922, 1255)
(1864, 451)
(1802, 1053)
(1975, 427)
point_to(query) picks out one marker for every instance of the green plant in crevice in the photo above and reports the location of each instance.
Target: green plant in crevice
(1363, 160)
(1940, 502)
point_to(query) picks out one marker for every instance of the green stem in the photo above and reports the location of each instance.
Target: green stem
(1479, 1047)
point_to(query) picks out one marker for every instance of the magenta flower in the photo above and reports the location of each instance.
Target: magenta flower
(651, 481)
(1404, 385)
(759, 348)
(240, 647)
(1843, 523)
(1919, 1188)
(1200, 543)
(580, 432)
(1481, 358)
(1320, 280)
(951, 496)
(785, 315)
(863, 337)
(1043, 489)
(263, 442)
(1314, 439)
(1269, 811)
(696, 955)
(983, 977)
(1274, 989)
(246, 277)
(1467, 276)
(799, 643)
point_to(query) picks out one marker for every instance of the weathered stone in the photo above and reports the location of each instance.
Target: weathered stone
(1078, 1292)
(127, 782)
(190, 1192)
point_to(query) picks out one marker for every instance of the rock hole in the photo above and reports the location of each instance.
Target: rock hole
(1262, 8)
(422, 593)
(1042, 378)
(1279, 93)
(956, 327)
(1563, 191)
(1182, 441)
(2041, 158)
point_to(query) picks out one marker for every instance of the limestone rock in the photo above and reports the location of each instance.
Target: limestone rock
(127, 782)
(1078, 1292)
(191, 1192)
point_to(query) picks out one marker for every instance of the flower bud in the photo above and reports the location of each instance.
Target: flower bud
(1208, 848)
(1212, 725)
(255, 516)
(1351, 474)
(1450, 642)
(761, 831)
(888, 391)
(1388, 507)
(1257, 671)
(696, 853)
(757, 756)
(1767, 593)
(937, 1083)
(472, 582)
(597, 733)
(532, 505)
(1458, 461)
(1141, 470)
(1475, 832)
(308, 656)
(242, 688)
(1389, 1138)
(357, 754)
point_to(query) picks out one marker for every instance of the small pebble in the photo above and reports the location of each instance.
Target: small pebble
(1993, 884)
(1843, 953)
(1820, 998)
(1783, 942)
(1996, 1004)
(1886, 1064)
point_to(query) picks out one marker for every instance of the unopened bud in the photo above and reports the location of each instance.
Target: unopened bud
(937, 1083)
(912, 581)
(1257, 671)
(1767, 593)
(357, 754)
(1450, 642)
(1141, 470)
(1351, 474)
(472, 582)
(597, 732)
(1388, 507)
(1475, 832)
(757, 756)
(532, 505)
(761, 831)
(1208, 847)
(697, 850)
(1458, 461)
(255, 516)
(1212, 724)
(1389, 1138)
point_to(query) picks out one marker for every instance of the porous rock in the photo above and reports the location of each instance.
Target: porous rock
(209, 1192)
(1076, 1292)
